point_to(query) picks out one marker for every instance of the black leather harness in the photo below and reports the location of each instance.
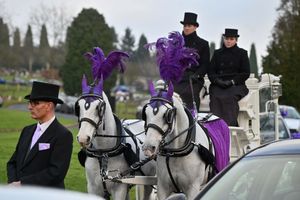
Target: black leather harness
(189, 144)
(132, 158)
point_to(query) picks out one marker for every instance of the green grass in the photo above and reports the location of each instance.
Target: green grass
(126, 110)
(11, 124)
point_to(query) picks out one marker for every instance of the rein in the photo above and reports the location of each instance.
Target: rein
(177, 136)
(115, 150)
(103, 154)
(154, 126)
(189, 143)
(188, 146)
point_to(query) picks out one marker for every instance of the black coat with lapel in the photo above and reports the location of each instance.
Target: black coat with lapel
(230, 64)
(196, 72)
(202, 47)
(42, 166)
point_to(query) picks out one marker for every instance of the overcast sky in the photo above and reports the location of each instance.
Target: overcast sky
(156, 18)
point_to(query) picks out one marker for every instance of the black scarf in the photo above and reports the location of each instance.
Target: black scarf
(189, 39)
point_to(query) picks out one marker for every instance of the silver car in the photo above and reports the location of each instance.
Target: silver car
(291, 117)
(271, 171)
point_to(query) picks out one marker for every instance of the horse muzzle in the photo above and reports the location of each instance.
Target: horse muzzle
(149, 150)
(84, 141)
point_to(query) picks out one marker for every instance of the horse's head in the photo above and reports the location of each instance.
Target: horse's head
(159, 116)
(89, 109)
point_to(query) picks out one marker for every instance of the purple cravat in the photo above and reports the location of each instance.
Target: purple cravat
(37, 134)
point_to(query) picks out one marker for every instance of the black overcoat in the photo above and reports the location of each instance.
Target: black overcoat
(42, 166)
(196, 72)
(202, 47)
(229, 64)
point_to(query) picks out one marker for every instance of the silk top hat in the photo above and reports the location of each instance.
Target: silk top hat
(44, 92)
(229, 32)
(190, 18)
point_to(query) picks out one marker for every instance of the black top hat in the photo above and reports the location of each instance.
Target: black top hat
(229, 32)
(45, 92)
(190, 18)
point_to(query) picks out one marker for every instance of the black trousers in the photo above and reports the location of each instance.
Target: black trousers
(225, 102)
(185, 92)
(225, 107)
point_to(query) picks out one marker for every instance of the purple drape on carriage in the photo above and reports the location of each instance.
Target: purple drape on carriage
(220, 136)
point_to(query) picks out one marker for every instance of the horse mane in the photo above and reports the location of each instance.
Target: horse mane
(177, 96)
(105, 99)
(178, 103)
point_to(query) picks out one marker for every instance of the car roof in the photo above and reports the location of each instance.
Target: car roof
(286, 106)
(282, 147)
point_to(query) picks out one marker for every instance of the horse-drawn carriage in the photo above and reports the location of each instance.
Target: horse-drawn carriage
(259, 105)
(188, 150)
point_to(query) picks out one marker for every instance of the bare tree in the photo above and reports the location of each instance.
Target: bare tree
(56, 20)
(6, 17)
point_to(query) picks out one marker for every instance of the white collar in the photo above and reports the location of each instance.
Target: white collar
(46, 124)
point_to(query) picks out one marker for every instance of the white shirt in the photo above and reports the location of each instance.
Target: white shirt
(45, 125)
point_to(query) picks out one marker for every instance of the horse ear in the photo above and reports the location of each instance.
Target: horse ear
(99, 87)
(170, 91)
(151, 88)
(84, 85)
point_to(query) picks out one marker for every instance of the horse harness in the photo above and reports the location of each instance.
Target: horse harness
(169, 116)
(205, 154)
(119, 148)
(100, 108)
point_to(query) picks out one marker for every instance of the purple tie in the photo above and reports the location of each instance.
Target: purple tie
(37, 134)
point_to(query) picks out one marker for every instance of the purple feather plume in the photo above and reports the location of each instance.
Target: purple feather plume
(84, 85)
(102, 66)
(152, 89)
(98, 89)
(172, 57)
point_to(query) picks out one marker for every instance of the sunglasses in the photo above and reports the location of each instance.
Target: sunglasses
(35, 102)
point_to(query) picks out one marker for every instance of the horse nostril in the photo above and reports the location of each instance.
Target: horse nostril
(88, 139)
(153, 148)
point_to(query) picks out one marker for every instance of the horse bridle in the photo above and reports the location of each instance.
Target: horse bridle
(101, 110)
(169, 116)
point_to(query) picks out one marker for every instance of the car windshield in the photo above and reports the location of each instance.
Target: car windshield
(289, 113)
(265, 177)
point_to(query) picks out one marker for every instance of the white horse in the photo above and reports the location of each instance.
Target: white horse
(173, 135)
(102, 136)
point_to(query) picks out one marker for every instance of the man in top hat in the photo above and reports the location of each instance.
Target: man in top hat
(195, 73)
(228, 71)
(43, 152)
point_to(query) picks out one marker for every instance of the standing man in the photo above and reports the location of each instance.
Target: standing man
(228, 72)
(43, 153)
(195, 73)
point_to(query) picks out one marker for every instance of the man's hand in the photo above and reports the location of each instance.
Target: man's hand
(223, 84)
(16, 183)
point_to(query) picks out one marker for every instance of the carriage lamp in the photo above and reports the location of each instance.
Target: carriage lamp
(276, 90)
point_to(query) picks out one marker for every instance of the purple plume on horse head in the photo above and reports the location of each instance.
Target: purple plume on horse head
(98, 89)
(170, 91)
(151, 88)
(172, 57)
(84, 85)
(103, 66)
